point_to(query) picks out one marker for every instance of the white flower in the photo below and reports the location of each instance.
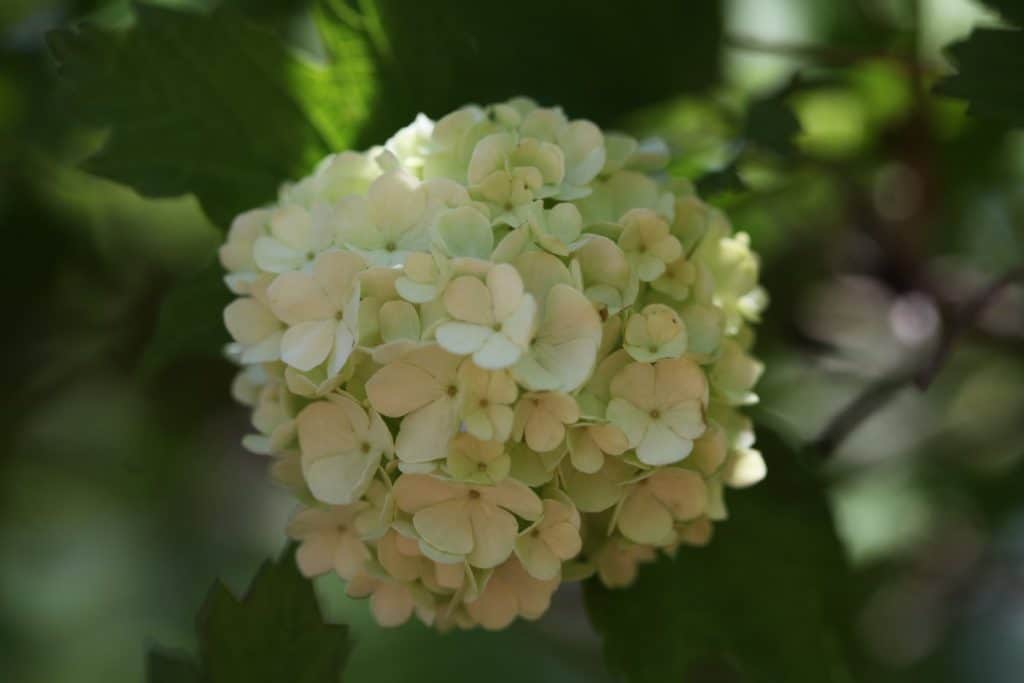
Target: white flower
(422, 388)
(321, 308)
(394, 218)
(492, 321)
(342, 447)
(467, 520)
(564, 350)
(254, 327)
(236, 253)
(502, 351)
(660, 408)
(297, 236)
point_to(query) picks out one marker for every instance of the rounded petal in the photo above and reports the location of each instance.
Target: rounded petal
(307, 345)
(249, 321)
(468, 299)
(494, 535)
(446, 526)
(662, 446)
(399, 388)
(642, 519)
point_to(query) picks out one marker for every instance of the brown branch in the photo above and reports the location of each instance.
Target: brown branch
(878, 394)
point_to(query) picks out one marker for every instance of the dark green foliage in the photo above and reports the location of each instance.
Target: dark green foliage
(207, 104)
(164, 667)
(274, 633)
(989, 66)
(191, 320)
(598, 60)
(763, 602)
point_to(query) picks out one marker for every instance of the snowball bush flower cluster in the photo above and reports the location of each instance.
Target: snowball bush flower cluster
(502, 351)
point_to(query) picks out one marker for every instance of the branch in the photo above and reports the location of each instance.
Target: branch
(965, 319)
(826, 54)
(878, 394)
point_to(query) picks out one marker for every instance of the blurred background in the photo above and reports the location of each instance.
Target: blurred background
(879, 210)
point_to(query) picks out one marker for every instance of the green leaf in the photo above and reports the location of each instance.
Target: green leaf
(989, 67)
(764, 602)
(191, 320)
(164, 667)
(598, 60)
(274, 634)
(207, 103)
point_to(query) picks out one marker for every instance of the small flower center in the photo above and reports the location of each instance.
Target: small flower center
(535, 533)
(474, 494)
(655, 414)
(603, 313)
(484, 403)
(365, 447)
(452, 390)
(481, 466)
(390, 246)
(342, 528)
(310, 256)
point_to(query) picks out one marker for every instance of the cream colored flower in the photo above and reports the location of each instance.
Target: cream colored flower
(337, 176)
(734, 374)
(589, 443)
(321, 310)
(507, 171)
(394, 217)
(486, 398)
(422, 388)
(492, 322)
(648, 244)
(254, 327)
(656, 332)
(297, 235)
(653, 504)
(552, 540)
(392, 602)
(598, 491)
(605, 275)
(328, 540)
(236, 254)
(541, 419)
(556, 229)
(342, 446)
(660, 408)
(617, 561)
(511, 592)
(564, 350)
(466, 520)
(475, 461)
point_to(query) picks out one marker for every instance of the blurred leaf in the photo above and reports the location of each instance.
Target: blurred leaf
(723, 181)
(1011, 10)
(762, 601)
(162, 667)
(597, 60)
(771, 123)
(191, 320)
(206, 103)
(522, 652)
(989, 67)
(275, 633)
